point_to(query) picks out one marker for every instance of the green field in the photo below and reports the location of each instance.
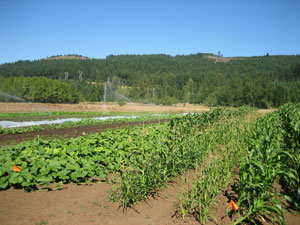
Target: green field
(140, 161)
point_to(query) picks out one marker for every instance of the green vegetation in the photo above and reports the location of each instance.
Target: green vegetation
(273, 156)
(144, 159)
(270, 152)
(44, 161)
(40, 115)
(95, 156)
(182, 146)
(84, 122)
(266, 81)
(228, 146)
(39, 89)
(76, 160)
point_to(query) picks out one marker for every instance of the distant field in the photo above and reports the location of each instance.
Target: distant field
(98, 107)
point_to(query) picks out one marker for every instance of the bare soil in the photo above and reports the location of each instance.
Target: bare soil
(223, 59)
(89, 204)
(99, 107)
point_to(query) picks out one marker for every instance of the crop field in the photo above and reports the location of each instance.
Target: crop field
(82, 123)
(186, 169)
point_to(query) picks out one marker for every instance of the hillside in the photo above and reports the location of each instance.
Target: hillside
(223, 59)
(262, 81)
(66, 57)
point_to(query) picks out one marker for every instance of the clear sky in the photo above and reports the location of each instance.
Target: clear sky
(35, 29)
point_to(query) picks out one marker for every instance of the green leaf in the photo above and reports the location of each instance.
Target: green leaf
(44, 179)
(63, 175)
(3, 182)
(15, 178)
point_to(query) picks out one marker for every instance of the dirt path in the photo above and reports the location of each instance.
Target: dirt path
(67, 132)
(88, 204)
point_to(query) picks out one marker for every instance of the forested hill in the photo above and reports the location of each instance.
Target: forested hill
(263, 81)
(199, 67)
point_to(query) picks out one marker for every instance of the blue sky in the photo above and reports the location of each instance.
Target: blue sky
(35, 29)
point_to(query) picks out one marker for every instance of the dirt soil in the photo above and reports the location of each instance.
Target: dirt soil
(20, 107)
(13, 139)
(88, 204)
(98, 107)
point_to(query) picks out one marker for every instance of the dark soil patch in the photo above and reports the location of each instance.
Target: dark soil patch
(13, 139)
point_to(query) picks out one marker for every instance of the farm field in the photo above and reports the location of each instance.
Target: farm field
(67, 132)
(170, 172)
(99, 108)
(91, 121)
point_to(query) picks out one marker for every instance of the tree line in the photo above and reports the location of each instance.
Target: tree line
(37, 89)
(265, 81)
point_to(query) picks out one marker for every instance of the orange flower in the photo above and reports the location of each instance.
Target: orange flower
(16, 169)
(233, 205)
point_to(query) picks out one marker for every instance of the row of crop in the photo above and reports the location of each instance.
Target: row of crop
(229, 144)
(61, 113)
(81, 123)
(75, 160)
(290, 117)
(186, 145)
(273, 156)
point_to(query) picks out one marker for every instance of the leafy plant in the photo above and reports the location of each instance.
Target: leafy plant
(273, 155)
(228, 142)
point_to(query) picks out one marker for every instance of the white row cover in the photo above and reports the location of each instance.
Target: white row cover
(11, 124)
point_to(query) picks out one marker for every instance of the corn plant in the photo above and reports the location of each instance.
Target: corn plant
(198, 201)
(265, 163)
(181, 147)
(290, 116)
